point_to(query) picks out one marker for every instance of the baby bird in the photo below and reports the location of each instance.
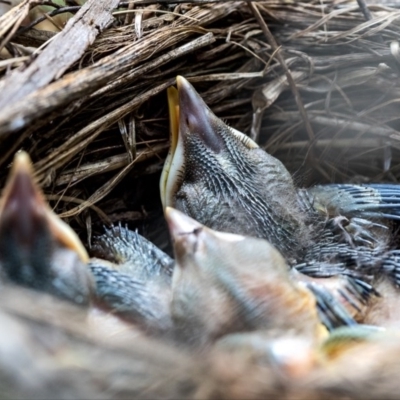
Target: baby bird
(133, 279)
(211, 294)
(224, 283)
(221, 178)
(37, 249)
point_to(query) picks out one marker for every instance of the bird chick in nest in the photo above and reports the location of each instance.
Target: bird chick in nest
(221, 283)
(221, 178)
(37, 249)
(224, 283)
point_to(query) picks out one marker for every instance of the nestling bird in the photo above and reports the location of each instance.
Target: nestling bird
(37, 249)
(133, 279)
(270, 342)
(224, 283)
(221, 283)
(41, 252)
(221, 178)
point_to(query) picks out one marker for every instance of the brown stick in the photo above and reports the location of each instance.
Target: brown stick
(80, 83)
(61, 53)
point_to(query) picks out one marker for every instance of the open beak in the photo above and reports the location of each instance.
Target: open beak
(183, 103)
(166, 181)
(24, 213)
(189, 115)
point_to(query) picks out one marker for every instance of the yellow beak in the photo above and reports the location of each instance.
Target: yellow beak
(23, 203)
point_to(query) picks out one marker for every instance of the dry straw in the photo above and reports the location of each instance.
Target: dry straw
(85, 94)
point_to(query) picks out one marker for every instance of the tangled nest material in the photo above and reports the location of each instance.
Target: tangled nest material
(89, 104)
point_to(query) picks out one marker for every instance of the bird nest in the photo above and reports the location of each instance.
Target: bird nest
(314, 82)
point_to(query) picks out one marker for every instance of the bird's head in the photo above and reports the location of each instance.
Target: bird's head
(220, 177)
(225, 283)
(37, 249)
(196, 133)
